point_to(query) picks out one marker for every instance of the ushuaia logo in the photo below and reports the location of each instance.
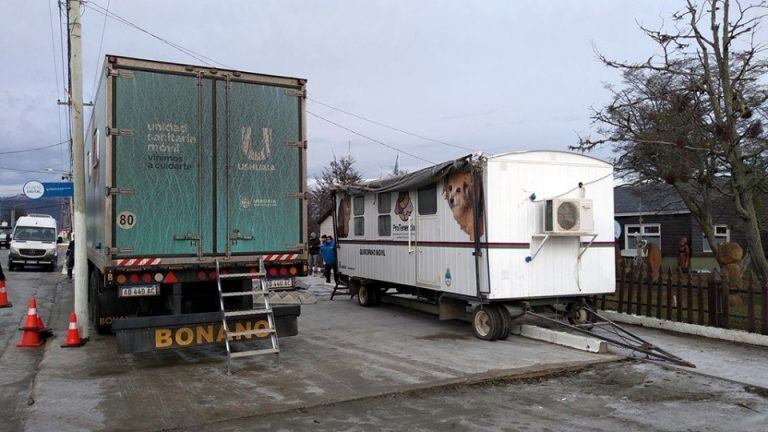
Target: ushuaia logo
(246, 144)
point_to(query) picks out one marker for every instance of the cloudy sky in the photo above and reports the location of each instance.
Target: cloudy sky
(488, 75)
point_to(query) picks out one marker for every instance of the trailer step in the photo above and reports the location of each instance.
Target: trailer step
(240, 275)
(253, 332)
(254, 352)
(260, 311)
(241, 293)
(271, 330)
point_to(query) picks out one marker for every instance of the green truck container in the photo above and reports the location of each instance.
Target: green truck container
(186, 166)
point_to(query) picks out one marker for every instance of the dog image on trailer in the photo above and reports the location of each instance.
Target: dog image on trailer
(503, 233)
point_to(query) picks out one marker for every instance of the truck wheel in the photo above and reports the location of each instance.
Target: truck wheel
(367, 296)
(486, 322)
(578, 315)
(10, 266)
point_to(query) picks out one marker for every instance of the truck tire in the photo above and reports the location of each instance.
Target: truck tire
(578, 315)
(10, 266)
(487, 322)
(367, 296)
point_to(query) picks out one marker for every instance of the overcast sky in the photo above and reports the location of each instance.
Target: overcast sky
(489, 75)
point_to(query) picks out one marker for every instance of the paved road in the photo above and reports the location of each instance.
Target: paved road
(18, 366)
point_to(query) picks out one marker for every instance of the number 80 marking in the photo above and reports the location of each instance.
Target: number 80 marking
(126, 220)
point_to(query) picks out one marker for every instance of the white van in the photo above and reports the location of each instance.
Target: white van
(34, 242)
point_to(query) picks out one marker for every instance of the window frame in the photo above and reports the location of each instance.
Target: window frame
(706, 247)
(433, 186)
(627, 251)
(384, 214)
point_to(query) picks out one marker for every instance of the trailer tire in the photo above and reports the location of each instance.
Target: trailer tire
(578, 315)
(97, 299)
(486, 322)
(367, 296)
(506, 319)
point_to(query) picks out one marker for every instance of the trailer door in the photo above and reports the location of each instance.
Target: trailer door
(160, 140)
(427, 236)
(259, 168)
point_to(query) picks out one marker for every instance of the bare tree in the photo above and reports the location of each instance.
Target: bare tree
(713, 68)
(339, 172)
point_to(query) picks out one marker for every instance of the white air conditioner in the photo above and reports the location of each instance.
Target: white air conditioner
(568, 216)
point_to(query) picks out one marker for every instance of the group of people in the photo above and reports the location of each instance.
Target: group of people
(322, 254)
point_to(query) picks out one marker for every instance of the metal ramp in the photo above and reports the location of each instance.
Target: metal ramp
(263, 293)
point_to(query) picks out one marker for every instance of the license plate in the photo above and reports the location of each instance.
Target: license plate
(280, 283)
(138, 291)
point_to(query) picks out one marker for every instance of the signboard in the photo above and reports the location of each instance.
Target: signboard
(59, 189)
(34, 189)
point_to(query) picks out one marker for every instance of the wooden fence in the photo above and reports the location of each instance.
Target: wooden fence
(708, 299)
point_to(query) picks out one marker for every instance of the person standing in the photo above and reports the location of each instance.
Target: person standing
(314, 253)
(328, 250)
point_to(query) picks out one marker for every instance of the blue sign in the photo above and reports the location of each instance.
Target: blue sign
(58, 189)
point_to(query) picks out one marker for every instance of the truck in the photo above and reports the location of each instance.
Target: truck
(500, 233)
(189, 168)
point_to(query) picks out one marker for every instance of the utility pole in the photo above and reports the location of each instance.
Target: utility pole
(78, 154)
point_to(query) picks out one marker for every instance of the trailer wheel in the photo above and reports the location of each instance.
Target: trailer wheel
(579, 315)
(506, 320)
(98, 299)
(486, 322)
(367, 296)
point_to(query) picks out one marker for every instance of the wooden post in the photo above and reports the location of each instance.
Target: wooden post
(630, 287)
(649, 296)
(623, 289)
(711, 295)
(638, 309)
(700, 300)
(669, 296)
(764, 308)
(689, 298)
(659, 289)
(679, 295)
(725, 290)
(750, 305)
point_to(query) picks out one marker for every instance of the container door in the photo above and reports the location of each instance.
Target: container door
(259, 169)
(427, 234)
(161, 139)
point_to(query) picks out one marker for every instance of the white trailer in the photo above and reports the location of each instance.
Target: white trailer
(503, 232)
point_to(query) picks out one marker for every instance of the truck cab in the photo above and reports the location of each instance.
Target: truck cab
(34, 242)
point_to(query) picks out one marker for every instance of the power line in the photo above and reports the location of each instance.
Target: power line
(388, 126)
(370, 139)
(35, 148)
(196, 55)
(34, 171)
(98, 63)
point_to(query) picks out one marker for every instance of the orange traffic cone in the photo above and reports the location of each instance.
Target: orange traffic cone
(73, 334)
(31, 337)
(4, 303)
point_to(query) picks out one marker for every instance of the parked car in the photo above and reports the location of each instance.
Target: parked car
(34, 242)
(5, 236)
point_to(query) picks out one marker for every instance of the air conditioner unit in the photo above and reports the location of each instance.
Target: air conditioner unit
(568, 216)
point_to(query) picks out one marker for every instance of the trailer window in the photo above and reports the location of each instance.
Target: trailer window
(385, 203)
(358, 206)
(428, 200)
(359, 226)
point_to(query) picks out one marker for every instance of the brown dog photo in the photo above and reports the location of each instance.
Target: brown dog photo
(457, 191)
(342, 217)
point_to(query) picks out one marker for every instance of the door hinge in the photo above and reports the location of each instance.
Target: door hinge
(118, 191)
(119, 73)
(297, 144)
(118, 251)
(294, 92)
(199, 79)
(119, 132)
(298, 195)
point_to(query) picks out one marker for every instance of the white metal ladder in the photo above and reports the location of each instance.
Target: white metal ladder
(265, 310)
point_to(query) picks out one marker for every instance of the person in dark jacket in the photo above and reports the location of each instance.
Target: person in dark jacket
(2, 275)
(328, 250)
(70, 258)
(314, 254)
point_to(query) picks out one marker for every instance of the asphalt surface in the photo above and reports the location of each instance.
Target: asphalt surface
(361, 369)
